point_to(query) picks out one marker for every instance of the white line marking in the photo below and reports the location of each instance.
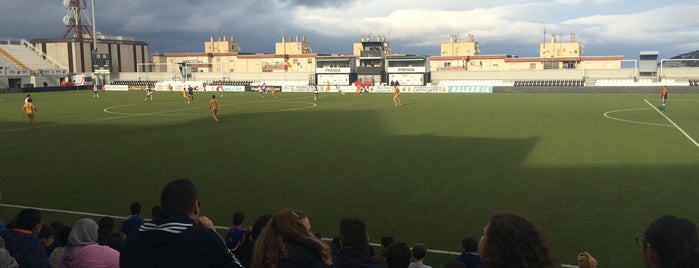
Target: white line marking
(108, 110)
(165, 113)
(673, 123)
(64, 211)
(169, 112)
(312, 105)
(64, 124)
(607, 115)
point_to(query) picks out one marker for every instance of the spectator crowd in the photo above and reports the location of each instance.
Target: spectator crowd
(179, 235)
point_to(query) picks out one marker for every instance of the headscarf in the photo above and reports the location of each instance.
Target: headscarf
(84, 233)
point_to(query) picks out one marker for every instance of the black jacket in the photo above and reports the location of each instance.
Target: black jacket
(105, 238)
(174, 240)
(348, 257)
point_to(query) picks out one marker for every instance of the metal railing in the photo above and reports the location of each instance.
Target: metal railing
(41, 53)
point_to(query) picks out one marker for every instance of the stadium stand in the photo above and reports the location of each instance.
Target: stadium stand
(633, 82)
(26, 58)
(134, 82)
(5, 63)
(549, 83)
(470, 83)
(193, 83)
(63, 230)
(20, 58)
(232, 82)
(285, 82)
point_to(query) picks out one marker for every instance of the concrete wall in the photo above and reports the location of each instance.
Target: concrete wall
(508, 76)
(77, 55)
(686, 72)
(568, 74)
(641, 89)
(51, 81)
(57, 51)
(255, 77)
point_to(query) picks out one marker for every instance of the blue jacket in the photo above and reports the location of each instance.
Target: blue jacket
(471, 260)
(174, 240)
(348, 257)
(131, 224)
(27, 249)
(234, 236)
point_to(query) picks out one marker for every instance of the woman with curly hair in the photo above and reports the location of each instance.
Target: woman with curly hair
(286, 241)
(513, 241)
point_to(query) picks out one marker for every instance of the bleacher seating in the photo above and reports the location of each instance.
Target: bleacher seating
(470, 83)
(193, 83)
(27, 57)
(134, 82)
(285, 82)
(7, 64)
(625, 82)
(549, 83)
(232, 82)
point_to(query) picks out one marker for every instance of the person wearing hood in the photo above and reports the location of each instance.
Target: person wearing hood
(83, 251)
(179, 237)
(22, 241)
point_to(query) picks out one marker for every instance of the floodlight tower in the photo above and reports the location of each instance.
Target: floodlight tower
(101, 61)
(73, 19)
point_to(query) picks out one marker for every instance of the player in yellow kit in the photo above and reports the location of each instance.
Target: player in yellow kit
(273, 91)
(185, 95)
(29, 109)
(213, 105)
(396, 97)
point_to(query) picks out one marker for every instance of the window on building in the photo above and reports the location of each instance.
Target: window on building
(569, 65)
(551, 65)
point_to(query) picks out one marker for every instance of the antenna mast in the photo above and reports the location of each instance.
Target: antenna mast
(74, 19)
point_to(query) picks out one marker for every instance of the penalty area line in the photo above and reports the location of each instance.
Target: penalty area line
(673, 123)
(78, 213)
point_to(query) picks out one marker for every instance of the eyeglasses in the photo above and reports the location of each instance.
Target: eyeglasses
(641, 241)
(295, 214)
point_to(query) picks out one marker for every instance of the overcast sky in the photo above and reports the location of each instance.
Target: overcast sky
(516, 27)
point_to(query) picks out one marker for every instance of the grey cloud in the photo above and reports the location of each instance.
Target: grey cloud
(319, 3)
(183, 25)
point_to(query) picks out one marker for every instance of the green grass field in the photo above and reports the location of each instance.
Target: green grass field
(432, 171)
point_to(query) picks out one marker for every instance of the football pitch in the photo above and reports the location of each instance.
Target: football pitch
(593, 170)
